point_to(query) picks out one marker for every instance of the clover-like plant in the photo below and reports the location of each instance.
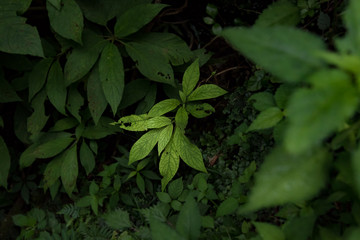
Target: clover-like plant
(169, 132)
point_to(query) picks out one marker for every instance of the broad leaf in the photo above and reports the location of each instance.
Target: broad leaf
(352, 23)
(7, 93)
(118, 219)
(70, 170)
(149, 100)
(55, 144)
(38, 119)
(200, 110)
(229, 206)
(55, 87)
(38, 76)
(169, 163)
(191, 77)
(75, 102)
(161, 231)
(101, 130)
(285, 178)
(164, 137)
(111, 72)
(269, 232)
(188, 152)
(13, 7)
(206, 91)
(175, 188)
(282, 12)
(181, 118)
(5, 163)
(83, 58)
(282, 95)
(68, 21)
(262, 100)
(158, 122)
(150, 62)
(267, 119)
(140, 183)
(18, 37)
(53, 170)
(286, 52)
(144, 145)
(189, 221)
(134, 91)
(130, 22)
(134, 122)
(95, 95)
(163, 107)
(87, 158)
(317, 112)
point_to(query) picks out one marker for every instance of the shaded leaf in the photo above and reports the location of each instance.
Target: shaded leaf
(134, 91)
(140, 183)
(129, 22)
(69, 170)
(175, 188)
(229, 206)
(7, 93)
(68, 21)
(53, 170)
(282, 12)
(18, 37)
(200, 110)
(352, 23)
(317, 112)
(189, 221)
(75, 102)
(111, 71)
(118, 219)
(5, 163)
(268, 231)
(286, 52)
(38, 76)
(262, 100)
(95, 95)
(267, 119)
(101, 130)
(285, 178)
(82, 58)
(87, 158)
(55, 87)
(161, 231)
(38, 119)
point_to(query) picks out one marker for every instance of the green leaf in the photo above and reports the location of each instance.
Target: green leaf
(130, 22)
(144, 145)
(161, 231)
(111, 72)
(69, 170)
(207, 222)
(248, 173)
(262, 100)
(343, 61)
(54, 145)
(191, 77)
(163, 107)
(56, 3)
(100, 12)
(23, 221)
(164, 137)
(268, 231)
(95, 95)
(175, 188)
(7, 93)
(101, 130)
(200, 110)
(189, 221)
(68, 21)
(140, 183)
(38, 76)
(352, 23)
(188, 152)
(13, 7)
(285, 178)
(53, 170)
(266, 119)
(303, 224)
(5, 162)
(169, 163)
(229, 206)
(181, 118)
(134, 122)
(282, 12)
(158, 122)
(163, 197)
(87, 159)
(282, 95)
(134, 91)
(118, 219)
(206, 91)
(149, 100)
(75, 102)
(150, 62)
(82, 58)
(286, 52)
(328, 234)
(315, 113)
(18, 37)
(55, 87)
(38, 119)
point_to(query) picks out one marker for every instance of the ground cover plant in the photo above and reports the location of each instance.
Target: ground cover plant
(258, 99)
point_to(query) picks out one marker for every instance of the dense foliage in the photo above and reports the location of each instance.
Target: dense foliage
(275, 156)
